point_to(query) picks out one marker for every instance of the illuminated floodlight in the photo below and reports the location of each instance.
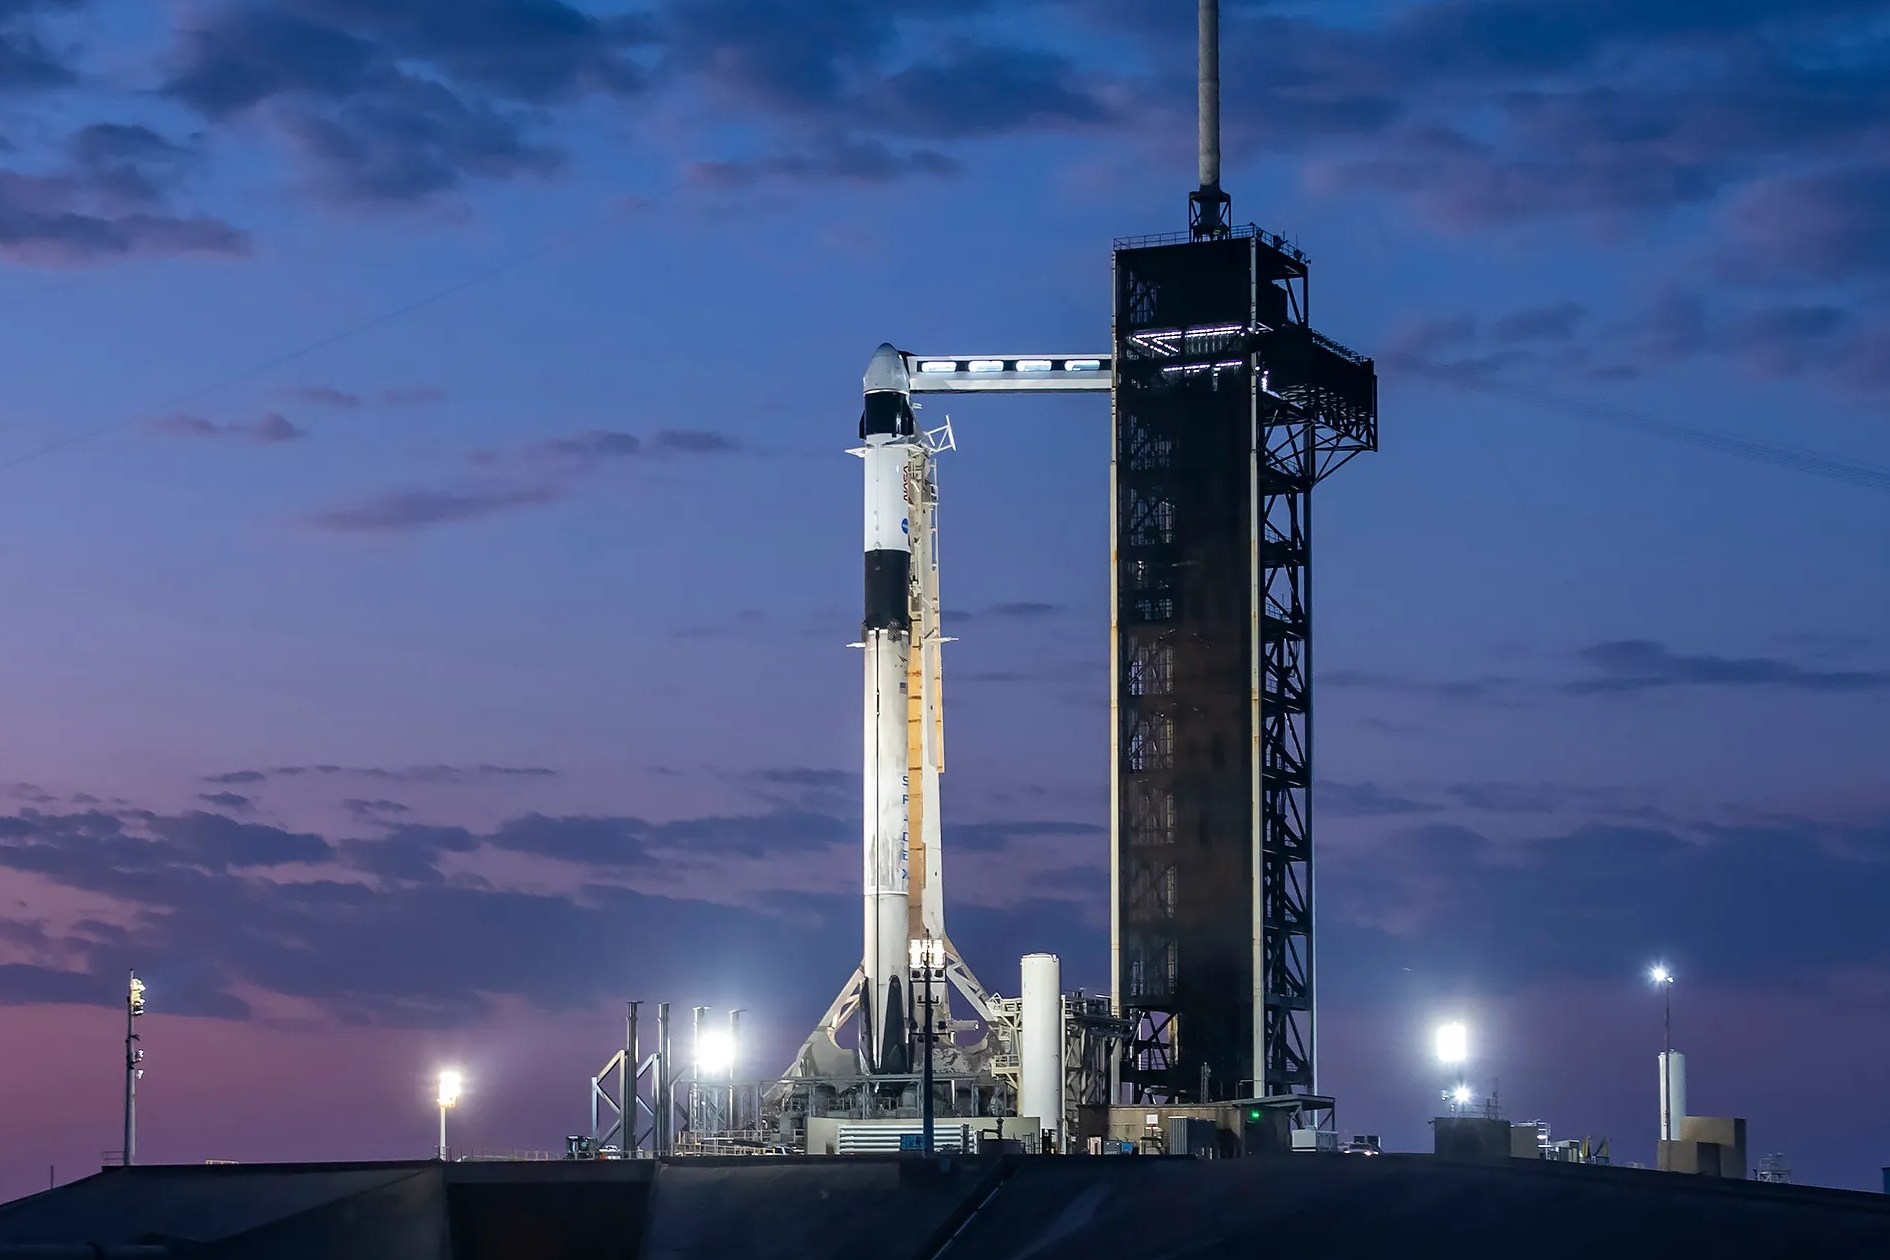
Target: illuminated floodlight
(715, 1052)
(1083, 365)
(938, 365)
(1461, 1095)
(1033, 365)
(1659, 974)
(928, 953)
(136, 998)
(987, 365)
(1453, 1042)
(450, 1083)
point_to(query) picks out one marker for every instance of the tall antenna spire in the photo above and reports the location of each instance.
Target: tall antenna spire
(1208, 205)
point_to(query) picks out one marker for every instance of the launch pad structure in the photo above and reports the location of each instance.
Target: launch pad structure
(1228, 409)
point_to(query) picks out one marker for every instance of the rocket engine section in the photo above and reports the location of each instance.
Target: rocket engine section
(888, 430)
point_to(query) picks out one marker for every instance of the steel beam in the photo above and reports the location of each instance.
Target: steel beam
(1011, 373)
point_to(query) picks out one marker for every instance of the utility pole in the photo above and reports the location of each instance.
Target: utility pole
(627, 1083)
(664, 1138)
(1666, 1017)
(134, 1007)
(731, 1121)
(928, 965)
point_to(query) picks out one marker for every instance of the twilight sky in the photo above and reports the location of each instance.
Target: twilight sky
(431, 550)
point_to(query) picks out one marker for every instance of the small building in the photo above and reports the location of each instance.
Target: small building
(1708, 1146)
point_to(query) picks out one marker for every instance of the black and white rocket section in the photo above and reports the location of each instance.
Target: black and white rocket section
(889, 433)
(903, 738)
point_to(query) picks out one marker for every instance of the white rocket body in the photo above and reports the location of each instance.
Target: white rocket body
(888, 431)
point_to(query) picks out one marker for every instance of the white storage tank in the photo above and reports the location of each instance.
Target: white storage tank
(1673, 1094)
(1040, 1048)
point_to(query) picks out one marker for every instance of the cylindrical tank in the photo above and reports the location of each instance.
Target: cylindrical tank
(1673, 1094)
(1040, 1052)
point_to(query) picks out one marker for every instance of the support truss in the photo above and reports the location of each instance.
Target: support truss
(1229, 410)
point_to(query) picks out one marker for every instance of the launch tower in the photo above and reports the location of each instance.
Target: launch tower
(1228, 409)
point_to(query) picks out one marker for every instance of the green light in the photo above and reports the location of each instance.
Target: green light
(1254, 1114)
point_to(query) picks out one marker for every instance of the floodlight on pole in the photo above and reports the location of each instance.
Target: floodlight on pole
(1461, 1095)
(450, 1083)
(1453, 1042)
(927, 955)
(134, 1059)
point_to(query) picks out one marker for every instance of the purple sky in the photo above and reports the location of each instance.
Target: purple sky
(422, 695)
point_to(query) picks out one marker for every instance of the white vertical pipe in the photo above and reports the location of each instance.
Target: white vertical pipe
(1040, 1052)
(1210, 94)
(1673, 1094)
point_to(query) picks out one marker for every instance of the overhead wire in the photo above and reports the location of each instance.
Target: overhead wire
(1774, 454)
(513, 263)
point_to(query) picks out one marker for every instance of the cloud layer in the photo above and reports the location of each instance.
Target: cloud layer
(397, 927)
(1625, 668)
(499, 482)
(110, 192)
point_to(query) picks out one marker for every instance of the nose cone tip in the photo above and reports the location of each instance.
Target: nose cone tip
(887, 370)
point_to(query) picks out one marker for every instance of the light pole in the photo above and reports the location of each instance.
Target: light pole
(450, 1082)
(927, 958)
(733, 1120)
(1663, 978)
(134, 1007)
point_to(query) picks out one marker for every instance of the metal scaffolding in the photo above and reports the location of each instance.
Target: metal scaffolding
(1229, 409)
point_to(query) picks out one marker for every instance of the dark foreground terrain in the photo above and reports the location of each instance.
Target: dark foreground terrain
(891, 1208)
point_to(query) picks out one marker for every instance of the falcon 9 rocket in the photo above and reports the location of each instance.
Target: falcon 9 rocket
(888, 430)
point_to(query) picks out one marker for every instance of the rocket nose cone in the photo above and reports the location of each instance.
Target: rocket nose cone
(887, 371)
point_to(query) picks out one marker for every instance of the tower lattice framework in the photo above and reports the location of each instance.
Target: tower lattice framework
(1228, 409)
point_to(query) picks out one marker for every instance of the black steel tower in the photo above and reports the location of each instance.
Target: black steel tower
(1228, 410)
